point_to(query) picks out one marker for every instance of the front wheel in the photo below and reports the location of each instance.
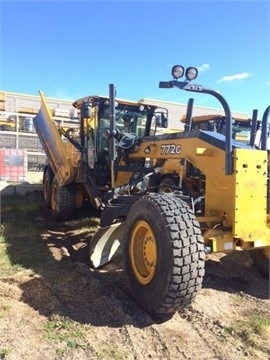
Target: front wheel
(47, 185)
(163, 253)
(62, 201)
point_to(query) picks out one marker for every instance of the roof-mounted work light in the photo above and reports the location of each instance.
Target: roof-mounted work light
(191, 73)
(177, 71)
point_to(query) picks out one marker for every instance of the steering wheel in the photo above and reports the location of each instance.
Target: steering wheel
(127, 140)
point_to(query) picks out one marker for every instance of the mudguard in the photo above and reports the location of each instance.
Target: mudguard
(105, 243)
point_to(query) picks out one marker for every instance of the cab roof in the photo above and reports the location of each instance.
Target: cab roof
(208, 117)
(95, 98)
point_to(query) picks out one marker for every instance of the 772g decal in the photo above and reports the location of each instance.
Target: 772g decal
(170, 149)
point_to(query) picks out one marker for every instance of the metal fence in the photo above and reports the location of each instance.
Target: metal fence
(29, 142)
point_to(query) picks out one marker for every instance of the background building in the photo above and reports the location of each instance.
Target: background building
(18, 110)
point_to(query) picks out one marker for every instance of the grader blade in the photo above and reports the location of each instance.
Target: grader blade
(105, 243)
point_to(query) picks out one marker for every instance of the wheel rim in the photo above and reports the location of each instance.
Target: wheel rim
(54, 197)
(166, 185)
(143, 252)
(166, 189)
(46, 186)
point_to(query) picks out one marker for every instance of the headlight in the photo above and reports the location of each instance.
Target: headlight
(177, 71)
(191, 73)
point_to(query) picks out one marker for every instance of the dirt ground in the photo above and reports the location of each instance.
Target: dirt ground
(68, 311)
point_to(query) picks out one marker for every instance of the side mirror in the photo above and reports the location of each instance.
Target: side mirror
(164, 120)
(161, 120)
(158, 121)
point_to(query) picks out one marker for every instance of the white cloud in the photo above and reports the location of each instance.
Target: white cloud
(203, 67)
(228, 78)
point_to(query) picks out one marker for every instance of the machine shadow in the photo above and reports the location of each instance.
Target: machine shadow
(51, 268)
(58, 279)
(235, 273)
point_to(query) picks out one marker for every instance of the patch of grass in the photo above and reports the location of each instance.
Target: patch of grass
(4, 353)
(3, 310)
(107, 353)
(260, 322)
(60, 329)
(23, 245)
(20, 241)
(18, 208)
(6, 265)
(85, 223)
(249, 329)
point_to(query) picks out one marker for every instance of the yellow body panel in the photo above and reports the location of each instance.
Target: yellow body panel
(250, 194)
(235, 203)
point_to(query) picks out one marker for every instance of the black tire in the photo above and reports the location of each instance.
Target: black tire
(163, 253)
(261, 259)
(47, 186)
(62, 201)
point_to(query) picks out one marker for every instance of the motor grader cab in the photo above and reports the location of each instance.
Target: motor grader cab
(241, 127)
(85, 165)
(219, 205)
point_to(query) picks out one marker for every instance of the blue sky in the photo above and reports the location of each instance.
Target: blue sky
(70, 49)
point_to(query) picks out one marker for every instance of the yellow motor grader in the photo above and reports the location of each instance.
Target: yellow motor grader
(163, 218)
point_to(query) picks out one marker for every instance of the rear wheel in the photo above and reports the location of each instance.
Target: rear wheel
(167, 185)
(261, 259)
(47, 184)
(163, 253)
(62, 201)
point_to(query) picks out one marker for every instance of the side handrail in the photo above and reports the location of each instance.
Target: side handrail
(228, 116)
(264, 135)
